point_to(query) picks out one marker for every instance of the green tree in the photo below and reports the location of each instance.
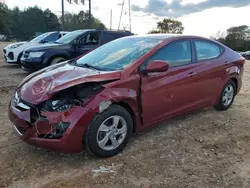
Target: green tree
(23, 25)
(237, 37)
(16, 30)
(153, 31)
(5, 19)
(80, 21)
(169, 26)
(33, 20)
(51, 21)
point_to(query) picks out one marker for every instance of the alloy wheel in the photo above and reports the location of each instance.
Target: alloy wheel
(228, 95)
(112, 133)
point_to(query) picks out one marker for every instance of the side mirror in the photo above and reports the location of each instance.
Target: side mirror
(44, 41)
(157, 66)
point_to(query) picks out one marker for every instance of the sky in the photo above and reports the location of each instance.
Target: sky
(199, 17)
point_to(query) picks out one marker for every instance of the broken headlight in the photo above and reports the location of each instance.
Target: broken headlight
(58, 105)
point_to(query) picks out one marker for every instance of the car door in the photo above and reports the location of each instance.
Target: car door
(169, 93)
(211, 67)
(87, 43)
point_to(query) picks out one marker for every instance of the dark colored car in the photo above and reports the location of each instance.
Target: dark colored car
(247, 55)
(74, 44)
(121, 88)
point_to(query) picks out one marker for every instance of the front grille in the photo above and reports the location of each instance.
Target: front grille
(34, 112)
(22, 130)
(4, 51)
(27, 103)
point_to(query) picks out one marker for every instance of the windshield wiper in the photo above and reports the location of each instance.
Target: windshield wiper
(90, 66)
(72, 62)
(86, 65)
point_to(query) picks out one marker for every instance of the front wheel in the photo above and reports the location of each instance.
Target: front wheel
(57, 60)
(109, 132)
(227, 96)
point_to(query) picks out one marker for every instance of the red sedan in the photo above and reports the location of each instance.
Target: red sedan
(123, 87)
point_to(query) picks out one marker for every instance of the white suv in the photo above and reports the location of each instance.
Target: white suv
(13, 52)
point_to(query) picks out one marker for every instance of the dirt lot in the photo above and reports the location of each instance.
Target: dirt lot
(203, 149)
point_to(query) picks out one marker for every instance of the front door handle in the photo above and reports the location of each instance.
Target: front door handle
(191, 74)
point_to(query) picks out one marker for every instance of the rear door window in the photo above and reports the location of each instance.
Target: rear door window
(206, 50)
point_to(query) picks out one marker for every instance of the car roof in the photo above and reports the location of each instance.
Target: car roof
(163, 36)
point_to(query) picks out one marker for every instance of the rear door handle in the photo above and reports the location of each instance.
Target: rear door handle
(191, 74)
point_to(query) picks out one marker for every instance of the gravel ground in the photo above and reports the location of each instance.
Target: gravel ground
(203, 149)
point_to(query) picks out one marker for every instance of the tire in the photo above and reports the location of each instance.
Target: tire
(225, 104)
(97, 134)
(57, 60)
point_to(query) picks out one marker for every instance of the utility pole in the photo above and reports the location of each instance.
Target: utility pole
(62, 15)
(77, 2)
(90, 19)
(121, 15)
(129, 15)
(111, 20)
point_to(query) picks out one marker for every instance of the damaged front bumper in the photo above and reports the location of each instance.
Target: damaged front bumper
(39, 129)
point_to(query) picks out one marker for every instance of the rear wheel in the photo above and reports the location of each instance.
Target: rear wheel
(57, 60)
(109, 132)
(227, 96)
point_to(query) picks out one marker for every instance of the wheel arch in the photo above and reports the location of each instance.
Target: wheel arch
(19, 57)
(236, 82)
(56, 56)
(126, 98)
(127, 106)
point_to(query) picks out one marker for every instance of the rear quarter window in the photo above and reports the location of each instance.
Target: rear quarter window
(206, 50)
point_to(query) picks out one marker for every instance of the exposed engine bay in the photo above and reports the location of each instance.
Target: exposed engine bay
(66, 99)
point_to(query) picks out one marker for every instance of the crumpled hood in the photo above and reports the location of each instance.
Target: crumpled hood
(41, 85)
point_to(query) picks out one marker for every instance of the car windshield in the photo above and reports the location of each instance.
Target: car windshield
(69, 37)
(118, 54)
(40, 37)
